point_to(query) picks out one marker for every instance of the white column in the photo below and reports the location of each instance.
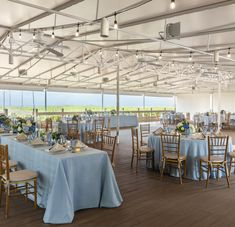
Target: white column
(102, 100)
(4, 100)
(143, 101)
(219, 102)
(33, 100)
(118, 104)
(45, 98)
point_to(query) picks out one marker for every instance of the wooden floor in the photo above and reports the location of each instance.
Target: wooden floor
(147, 201)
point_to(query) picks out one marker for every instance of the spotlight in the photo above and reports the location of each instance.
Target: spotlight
(190, 56)
(77, 32)
(115, 26)
(20, 36)
(172, 5)
(104, 31)
(117, 53)
(137, 54)
(229, 54)
(53, 34)
(173, 64)
(216, 67)
(100, 52)
(34, 34)
(160, 56)
(192, 66)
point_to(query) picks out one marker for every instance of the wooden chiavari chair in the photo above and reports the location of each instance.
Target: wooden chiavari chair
(108, 144)
(140, 152)
(144, 133)
(232, 160)
(49, 124)
(107, 130)
(73, 130)
(171, 154)
(13, 183)
(216, 159)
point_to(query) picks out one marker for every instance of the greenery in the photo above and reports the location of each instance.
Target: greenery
(27, 111)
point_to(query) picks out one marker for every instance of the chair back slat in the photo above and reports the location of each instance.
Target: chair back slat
(144, 132)
(108, 144)
(99, 124)
(170, 144)
(4, 160)
(218, 146)
(135, 139)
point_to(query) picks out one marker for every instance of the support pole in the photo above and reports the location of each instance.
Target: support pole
(219, 104)
(143, 101)
(22, 99)
(102, 100)
(45, 96)
(118, 105)
(4, 100)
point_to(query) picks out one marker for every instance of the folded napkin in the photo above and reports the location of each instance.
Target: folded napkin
(21, 136)
(78, 144)
(56, 148)
(37, 141)
(198, 136)
(158, 131)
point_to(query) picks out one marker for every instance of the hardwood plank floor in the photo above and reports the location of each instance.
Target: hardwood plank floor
(147, 200)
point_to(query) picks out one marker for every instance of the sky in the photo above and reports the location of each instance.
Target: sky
(25, 98)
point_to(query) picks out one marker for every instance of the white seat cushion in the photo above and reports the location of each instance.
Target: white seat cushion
(22, 175)
(174, 156)
(213, 158)
(145, 149)
(12, 164)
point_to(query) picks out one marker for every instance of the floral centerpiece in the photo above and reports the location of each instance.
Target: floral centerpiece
(113, 112)
(24, 125)
(5, 121)
(185, 127)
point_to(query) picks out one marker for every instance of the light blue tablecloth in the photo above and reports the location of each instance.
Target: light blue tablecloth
(68, 182)
(124, 121)
(193, 149)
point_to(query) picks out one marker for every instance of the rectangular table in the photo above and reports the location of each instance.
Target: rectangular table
(68, 182)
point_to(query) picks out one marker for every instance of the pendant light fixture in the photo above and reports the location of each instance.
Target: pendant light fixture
(115, 25)
(229, 53)
(77, 31)
(53, 33)
(190, 56)
(20, 36)
(172, 5)
(160, 56)
(34, 34)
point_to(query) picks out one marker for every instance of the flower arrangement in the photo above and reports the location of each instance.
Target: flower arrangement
(24, 125)
(185, 127)
(89, 112)
(55, 136)
(5, 120)
(113, 112)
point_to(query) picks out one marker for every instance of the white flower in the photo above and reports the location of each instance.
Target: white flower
(28, 123)
(182, 128)
(19, 128)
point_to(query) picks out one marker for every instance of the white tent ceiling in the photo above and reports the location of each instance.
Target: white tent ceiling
(206, 27)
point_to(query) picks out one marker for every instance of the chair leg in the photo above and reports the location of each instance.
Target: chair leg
(153, 163)
(208, 175)
(35, 193)
(180, 174)
(137, 162)
(162, 167)
(1, 189)
(200, 171)
(185, 168)
(226, 173)
(26, 191)
(217, 173)
(7, 201)
(132, 159)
